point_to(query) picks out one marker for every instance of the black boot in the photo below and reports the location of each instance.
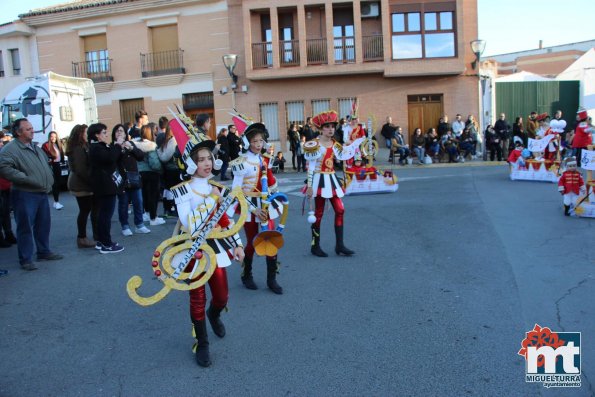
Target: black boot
(247, 274)
(340, 248)
(315, 249)
(272, 276)
(10, 238)
(567, 210)
(202, 343)
(214, 316)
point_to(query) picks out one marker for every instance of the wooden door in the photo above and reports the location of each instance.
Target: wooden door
(128, 107)
(424, 111)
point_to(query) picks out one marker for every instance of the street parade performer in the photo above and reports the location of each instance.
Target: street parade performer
(551, 152)
(571, 184)
(253, 172)
(582, 134)
(322, 182)
(204, 242)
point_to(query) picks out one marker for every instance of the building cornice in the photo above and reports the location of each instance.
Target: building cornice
(102, 10)
(16, 28)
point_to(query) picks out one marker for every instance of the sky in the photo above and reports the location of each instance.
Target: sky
(505, 25)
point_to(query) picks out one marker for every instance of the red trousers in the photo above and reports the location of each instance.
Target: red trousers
(338, 207)
(252, 229)
(219, 291)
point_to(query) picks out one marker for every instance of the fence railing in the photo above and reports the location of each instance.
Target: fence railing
(262, 55)
(162, 63)
(289, 52)
(316, 51)
(99, 70)
(372, 48)
(344, 49)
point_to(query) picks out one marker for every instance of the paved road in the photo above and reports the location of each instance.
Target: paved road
(450, 273)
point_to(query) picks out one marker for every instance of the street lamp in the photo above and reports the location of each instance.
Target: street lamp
(230, 61)
(477, 46)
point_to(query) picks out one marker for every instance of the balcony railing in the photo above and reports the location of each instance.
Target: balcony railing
(344, 49)
(316, 49)
(289, 52)
(372, 48)
(99, 70)
(162, 63)
(262, 55)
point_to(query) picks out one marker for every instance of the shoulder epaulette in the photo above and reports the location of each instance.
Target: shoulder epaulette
(237, 166)
(181, 192)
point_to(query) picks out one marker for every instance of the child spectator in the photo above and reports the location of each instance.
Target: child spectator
(279, 161)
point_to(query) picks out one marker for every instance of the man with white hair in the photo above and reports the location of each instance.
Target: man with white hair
(25, 165)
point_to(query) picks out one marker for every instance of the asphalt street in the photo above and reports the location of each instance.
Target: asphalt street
(449, 274)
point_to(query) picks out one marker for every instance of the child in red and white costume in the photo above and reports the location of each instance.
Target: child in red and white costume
(248, 170)
(197, 200)
(571, 184)
(322, 181)
(544, 130)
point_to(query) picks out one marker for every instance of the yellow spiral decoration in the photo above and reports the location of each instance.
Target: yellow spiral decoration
(204, 265)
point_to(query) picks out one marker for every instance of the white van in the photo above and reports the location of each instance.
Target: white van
(51, 102)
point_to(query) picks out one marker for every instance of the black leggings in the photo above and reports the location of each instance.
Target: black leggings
(150, 190)
(57, 176)
(87, 206)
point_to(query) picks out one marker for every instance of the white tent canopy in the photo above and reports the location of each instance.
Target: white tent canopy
(522, 76)
(583, 69)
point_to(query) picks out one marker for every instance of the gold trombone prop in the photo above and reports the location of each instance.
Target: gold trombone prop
(194, 246)
(268, 242)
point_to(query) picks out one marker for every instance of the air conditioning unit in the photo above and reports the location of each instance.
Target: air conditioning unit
(370, 10)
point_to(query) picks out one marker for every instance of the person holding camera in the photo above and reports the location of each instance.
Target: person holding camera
(128, 168)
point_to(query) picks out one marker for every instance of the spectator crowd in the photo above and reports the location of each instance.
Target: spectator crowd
(131, 168)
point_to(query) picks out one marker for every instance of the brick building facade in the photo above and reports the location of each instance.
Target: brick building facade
(409, 59)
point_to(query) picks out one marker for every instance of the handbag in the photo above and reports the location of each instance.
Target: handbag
(133, 180)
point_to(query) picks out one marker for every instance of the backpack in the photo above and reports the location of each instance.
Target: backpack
(154, 162)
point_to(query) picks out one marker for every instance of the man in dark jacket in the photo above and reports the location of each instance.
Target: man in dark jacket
(443, 126)
(388, 131)
(235, 143)
(140, 119)
(307, 130)
(25, 165)
(503, 130)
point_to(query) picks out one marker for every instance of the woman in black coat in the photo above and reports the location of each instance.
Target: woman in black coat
(223, 152)
(106, 182)
(293, 136)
